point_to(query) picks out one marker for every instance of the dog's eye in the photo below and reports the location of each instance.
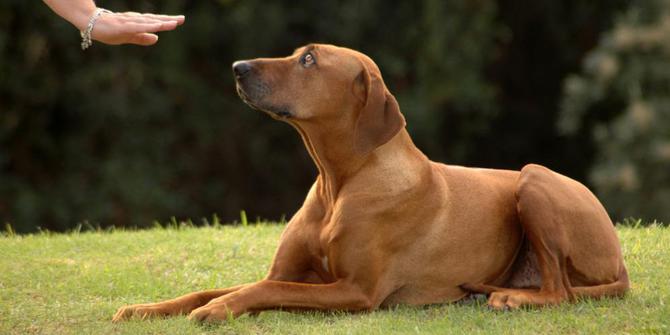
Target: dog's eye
(307, 59)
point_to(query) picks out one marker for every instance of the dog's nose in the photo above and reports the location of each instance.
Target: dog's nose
(241, 68)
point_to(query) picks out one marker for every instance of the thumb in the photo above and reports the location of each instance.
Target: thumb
(144, 39)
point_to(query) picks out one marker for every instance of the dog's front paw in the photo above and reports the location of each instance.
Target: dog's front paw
(142, 311)
(211, 313)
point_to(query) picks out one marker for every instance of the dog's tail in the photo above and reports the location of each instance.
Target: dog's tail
(615, 289)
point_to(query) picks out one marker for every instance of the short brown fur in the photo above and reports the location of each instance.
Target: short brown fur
(384, 225)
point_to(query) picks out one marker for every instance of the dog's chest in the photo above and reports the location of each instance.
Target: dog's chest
(324, 247)
(327, 237)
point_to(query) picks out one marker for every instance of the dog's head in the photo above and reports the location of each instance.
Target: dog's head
(321, 84)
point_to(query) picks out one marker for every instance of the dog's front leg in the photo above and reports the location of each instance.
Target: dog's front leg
(180, 305)
(270, 294)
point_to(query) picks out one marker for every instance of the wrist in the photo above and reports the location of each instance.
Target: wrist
(77, 12)
(86, 39)
(81, 17)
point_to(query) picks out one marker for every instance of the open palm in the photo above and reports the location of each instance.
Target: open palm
(133, 28)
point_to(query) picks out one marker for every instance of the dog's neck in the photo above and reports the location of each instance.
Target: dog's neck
(336, 160)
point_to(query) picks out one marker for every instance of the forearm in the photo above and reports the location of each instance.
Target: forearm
(76, 12)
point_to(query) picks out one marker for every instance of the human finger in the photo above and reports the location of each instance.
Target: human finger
(137, 17)
(166, 24)
(129, 13)
(144, 39)
(137, 28)
(179, 18)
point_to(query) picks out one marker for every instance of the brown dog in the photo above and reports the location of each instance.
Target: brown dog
(383, 225)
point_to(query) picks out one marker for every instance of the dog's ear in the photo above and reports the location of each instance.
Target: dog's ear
(379, 119)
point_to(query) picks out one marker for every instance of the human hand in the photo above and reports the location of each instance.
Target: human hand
(133, 28)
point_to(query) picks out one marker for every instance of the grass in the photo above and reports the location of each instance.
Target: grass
(73, 283)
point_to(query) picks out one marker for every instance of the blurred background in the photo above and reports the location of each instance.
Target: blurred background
(128, 135)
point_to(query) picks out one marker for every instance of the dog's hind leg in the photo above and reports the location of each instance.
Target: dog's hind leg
(573, 239)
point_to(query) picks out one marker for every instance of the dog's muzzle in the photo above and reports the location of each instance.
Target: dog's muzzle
(241, 69)
(253, 91)
(248, 91)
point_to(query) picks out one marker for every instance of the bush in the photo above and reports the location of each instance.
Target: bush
(622, 97)
(125, 135)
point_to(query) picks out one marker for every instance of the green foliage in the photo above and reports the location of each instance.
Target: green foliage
(73, 283)
(623, 99)
(128, 135)
(124, 135)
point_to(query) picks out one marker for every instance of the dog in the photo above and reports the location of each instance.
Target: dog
(383, 225)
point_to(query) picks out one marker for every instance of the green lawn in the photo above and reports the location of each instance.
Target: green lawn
(73, 284)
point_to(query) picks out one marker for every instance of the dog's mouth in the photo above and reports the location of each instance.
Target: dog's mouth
(274, 111)
(243, 95)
